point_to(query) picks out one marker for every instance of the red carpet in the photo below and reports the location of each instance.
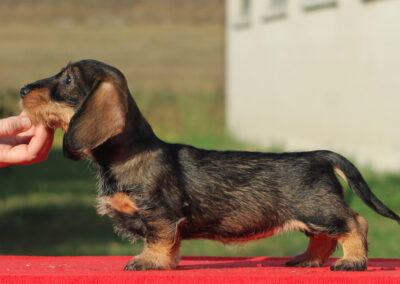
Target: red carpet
(91, 269)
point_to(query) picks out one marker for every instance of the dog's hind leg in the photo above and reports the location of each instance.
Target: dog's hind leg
(321, 246)
(355, 246)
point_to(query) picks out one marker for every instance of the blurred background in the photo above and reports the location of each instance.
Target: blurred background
(235, 74)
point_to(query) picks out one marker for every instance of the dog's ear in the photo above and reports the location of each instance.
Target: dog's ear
(100, 117)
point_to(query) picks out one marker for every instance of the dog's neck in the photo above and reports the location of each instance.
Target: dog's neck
(136, 137)
(133, 144)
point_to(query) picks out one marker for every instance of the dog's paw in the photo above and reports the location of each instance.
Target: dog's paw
(299, 262)
(146, 263)
(349, 265)
(137, 264)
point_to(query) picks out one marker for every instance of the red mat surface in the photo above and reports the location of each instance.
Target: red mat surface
(92, 269)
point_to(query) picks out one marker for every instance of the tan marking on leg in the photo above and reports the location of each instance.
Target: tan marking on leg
(321, 246)
(359, 227)
(162, 255)
(355, 246)
(362, 226)
(121, 202)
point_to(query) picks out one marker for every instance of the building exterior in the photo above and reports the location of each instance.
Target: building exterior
(316, 74)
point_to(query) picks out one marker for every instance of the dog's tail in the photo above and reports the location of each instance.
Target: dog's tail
(345, 169)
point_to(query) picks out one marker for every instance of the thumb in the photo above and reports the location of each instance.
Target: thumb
(14, 125)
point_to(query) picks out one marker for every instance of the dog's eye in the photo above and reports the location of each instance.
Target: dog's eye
(68, 80)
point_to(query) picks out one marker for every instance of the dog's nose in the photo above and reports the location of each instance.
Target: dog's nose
(24, 91)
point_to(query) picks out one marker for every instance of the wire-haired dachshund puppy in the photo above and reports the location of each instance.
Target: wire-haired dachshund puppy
(164, 193)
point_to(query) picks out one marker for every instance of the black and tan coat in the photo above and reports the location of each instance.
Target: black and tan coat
(165, 193)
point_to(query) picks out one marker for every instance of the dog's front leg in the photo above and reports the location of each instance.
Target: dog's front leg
(161, 252)
(155, 256)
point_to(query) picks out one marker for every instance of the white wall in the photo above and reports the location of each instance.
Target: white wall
(322, 79)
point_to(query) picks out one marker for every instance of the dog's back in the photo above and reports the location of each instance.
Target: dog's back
(167, 192)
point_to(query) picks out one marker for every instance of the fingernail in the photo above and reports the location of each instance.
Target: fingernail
(25, 122)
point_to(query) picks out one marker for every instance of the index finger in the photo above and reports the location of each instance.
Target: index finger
(41, 142)
(13, 125)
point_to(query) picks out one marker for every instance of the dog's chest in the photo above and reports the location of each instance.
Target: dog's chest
(124, 212)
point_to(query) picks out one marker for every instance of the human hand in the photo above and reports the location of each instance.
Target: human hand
(23, 143)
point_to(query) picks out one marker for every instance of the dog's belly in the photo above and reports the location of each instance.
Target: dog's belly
(238, 233)
(231, 238)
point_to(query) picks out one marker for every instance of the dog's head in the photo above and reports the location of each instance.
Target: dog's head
(87, 99)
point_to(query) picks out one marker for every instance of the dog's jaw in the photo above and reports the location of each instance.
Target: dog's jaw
(50, 113)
